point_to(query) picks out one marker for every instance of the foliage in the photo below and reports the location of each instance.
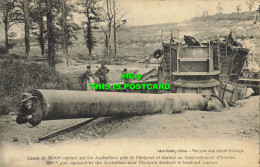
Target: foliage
(37, 12)
(219, 8)
(93, 17)
(70, 28)
(17, 78)
(2, 49)
(7, 8)
(244, 16)
(10, 46)
(250, 4)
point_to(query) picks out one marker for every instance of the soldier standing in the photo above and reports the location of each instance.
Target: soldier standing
(87, 79)
(257, 15)
(101, 74)
(126, 81)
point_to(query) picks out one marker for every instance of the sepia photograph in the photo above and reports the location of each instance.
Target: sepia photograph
(148, 83)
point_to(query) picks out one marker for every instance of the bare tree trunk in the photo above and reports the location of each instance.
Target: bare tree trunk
(27, 28)
(64, 34)
(63, 27)
(89, 48)
(89, 32)
(109, 27)
(50, 34)
(6, 33)
(109, 40)
(89, 54)
(114, 8)
(106, 43)
(67, 51)
(41, 40)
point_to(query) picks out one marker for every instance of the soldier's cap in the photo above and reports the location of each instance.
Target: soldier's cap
(27, 96)
(88, 66)
(103, 64)
(125, 69)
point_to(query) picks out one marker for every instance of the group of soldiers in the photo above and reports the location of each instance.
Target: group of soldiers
(100, 77)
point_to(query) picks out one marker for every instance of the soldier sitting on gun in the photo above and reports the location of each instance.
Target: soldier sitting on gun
(28, 112)
(101, 74)
(190, 41)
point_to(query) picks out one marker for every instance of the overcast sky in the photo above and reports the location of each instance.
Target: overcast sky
(145, 12)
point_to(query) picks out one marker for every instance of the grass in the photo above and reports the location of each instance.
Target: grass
(17, 78)
(244, 16)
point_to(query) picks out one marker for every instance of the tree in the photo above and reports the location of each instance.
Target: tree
(114, 25)
(107, 16)
(26, 27)
(70, 28)
(219, 8)
(117, 23)
(37, 14)
(64, 37)
(7, 8)
(21, 14)
(50, 33)
(205, 13)
(92, 12)
(63, 26)
(250, 4)
(238, 8)
(113, 19)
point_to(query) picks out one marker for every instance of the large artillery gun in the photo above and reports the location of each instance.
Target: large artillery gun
(201, 76)
(201, 68)
(206, 68)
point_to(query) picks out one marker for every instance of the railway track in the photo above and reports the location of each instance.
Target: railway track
(95, 128)
(66, 130)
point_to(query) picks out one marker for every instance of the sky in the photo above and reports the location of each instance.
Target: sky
(146, 12)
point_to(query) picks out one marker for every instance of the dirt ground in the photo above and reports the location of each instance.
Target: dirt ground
(115, 71)
(240, 122)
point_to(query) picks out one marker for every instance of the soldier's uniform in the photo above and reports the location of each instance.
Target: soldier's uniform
(101, 74)
(126, 81)
(34, 111)
(87, 79)
(88, 74)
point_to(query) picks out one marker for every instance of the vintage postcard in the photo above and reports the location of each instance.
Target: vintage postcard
(149, 83)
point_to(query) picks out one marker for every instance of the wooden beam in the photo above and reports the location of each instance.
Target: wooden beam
(193, 59)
